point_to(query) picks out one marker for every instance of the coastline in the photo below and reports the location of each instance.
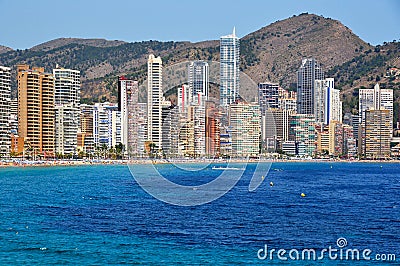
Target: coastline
(48, 163)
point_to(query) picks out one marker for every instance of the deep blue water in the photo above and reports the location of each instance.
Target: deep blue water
(97, 215)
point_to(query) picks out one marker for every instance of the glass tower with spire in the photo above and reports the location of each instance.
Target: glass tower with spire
(229, 69)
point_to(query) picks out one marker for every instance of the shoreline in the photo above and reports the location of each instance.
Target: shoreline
(23, 164)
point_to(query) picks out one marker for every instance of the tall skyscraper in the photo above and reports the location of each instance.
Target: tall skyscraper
(85, 141)
(67, 86)
(376, 134)
(128, 91)
(141, 120)
(36, 109)
(154, 100)
(67, 113)
(199, 119)
(244, 120)
(309, 71)
(212, 125)
(170, 127)
(229, 69)
(66, 128)
(5, 97)
(327, 103)
(198, 79)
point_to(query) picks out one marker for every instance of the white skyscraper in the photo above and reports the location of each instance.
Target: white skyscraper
(5, 98)
(67, 86)
(106, 124)
(198, 72)
(154, 100)
(229, 69)
(327, 103)
(66, 128)
(67, 102)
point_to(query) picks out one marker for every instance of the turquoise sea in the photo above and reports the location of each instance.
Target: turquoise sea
(99, 215)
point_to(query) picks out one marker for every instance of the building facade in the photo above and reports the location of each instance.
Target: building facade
(67, 109)
(375, 99)
(106, 125)
(36, 110)
(5, 97)
(302, 132)
(268, 96)
(154, 100)
(229, 69)
(376, 134)
(244, 120)
(309, 71)
(85, 141)
(212, 129)
(327, 103)
(128, 91)
(198, 81)
(67, 118)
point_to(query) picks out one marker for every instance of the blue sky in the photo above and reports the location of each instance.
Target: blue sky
(28, 23)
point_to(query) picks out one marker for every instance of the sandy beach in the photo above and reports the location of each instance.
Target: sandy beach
(50, 163)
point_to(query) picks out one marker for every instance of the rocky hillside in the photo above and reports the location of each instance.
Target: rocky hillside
(272, 53)
(379, 64)
(4, 49)
(51, 45)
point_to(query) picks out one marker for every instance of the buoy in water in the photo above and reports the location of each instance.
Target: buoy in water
(271, 183)
(303, 195)
(262, 177)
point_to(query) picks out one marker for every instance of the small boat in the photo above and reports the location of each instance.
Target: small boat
(227, 168)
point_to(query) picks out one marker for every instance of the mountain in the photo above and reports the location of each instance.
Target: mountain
(272, 53)
(60, 42)
(5, 49)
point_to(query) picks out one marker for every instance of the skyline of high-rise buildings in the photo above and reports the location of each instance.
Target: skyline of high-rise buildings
(306, 122)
